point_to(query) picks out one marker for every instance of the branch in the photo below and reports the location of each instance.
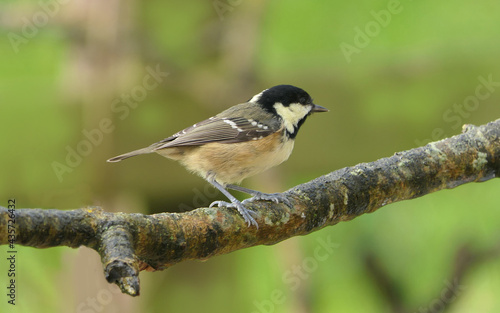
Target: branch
(129, 243)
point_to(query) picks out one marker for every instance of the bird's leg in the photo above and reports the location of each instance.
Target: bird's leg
(257, 195)
(235, 203)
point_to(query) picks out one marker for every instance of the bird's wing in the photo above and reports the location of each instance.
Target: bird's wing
(222, 130)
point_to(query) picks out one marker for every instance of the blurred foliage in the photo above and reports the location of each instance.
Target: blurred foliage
(400, 91)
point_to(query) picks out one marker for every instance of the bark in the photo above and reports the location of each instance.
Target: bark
(129, 243)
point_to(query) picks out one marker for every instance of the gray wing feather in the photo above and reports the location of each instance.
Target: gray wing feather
(222, 130)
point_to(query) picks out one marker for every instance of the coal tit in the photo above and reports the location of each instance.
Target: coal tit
(239, 142)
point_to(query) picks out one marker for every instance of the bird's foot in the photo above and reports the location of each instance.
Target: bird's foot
(246, 213)
(274, 197)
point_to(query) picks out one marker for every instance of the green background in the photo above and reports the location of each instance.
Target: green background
(65, 67)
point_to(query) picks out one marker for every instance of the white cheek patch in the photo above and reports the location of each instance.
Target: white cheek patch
(292, 114)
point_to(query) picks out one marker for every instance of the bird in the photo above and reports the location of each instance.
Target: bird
(241, 141)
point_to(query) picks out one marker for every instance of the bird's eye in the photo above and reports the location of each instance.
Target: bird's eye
(303, 100)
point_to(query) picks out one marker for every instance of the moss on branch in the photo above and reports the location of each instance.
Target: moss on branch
(128, 243)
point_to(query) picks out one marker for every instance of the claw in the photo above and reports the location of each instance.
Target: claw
(274, 197)
(245, 213)
(219, 204)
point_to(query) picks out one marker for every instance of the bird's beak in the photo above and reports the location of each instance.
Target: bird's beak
(319, 108)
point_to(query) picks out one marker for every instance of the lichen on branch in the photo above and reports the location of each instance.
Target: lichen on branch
(129, 243)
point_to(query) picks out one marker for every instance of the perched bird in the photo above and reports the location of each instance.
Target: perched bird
(239, 142)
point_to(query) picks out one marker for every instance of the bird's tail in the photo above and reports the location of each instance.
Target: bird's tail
(131, 154)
